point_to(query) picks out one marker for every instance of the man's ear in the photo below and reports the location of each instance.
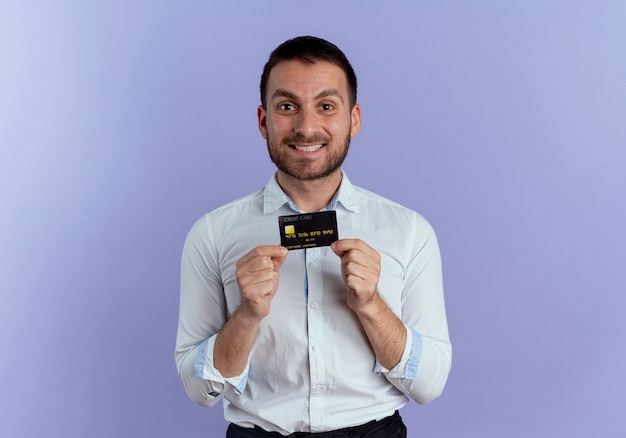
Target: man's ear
(262, 118)
(355, 116)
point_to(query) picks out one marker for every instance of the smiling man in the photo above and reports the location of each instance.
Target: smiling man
(317, 340)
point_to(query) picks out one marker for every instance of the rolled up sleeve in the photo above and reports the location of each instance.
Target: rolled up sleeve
(427, 358)
(202, 314)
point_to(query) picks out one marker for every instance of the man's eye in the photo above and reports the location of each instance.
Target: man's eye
(327, 106)
(286, 107)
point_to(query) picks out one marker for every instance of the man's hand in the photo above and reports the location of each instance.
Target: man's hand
(257, 276)
(360, 269)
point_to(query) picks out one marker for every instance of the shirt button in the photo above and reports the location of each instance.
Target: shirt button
(313, 306)
(311, 265)
(314, 348)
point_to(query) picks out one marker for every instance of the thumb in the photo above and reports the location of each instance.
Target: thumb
(335, 247)
(280, 259)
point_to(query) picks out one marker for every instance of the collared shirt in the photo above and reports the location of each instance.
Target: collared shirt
(312, 368)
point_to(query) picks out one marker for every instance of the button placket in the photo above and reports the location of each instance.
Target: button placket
(317, 362)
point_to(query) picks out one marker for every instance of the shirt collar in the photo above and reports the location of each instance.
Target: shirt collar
(274, 197)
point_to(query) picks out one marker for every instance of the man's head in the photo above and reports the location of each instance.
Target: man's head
(309, 50)
(308, 114)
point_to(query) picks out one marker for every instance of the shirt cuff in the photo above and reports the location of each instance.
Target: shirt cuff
(407, 367)
(205, 369)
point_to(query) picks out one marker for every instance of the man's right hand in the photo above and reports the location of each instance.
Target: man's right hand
(257, 276)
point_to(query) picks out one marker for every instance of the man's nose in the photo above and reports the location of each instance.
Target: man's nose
(306, 122)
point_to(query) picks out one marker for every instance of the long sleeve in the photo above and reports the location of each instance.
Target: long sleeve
(423, 370)
(202, 314)
(311, 357)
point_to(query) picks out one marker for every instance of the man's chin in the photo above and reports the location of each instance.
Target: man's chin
(311, 175)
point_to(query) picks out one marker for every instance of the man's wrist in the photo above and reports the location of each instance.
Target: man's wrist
(373, 308)
(244, 320)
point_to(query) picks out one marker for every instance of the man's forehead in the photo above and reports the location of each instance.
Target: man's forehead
(296, 73)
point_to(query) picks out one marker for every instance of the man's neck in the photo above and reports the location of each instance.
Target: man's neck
(313, 195)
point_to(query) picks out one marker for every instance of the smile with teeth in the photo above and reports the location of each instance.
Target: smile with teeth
(312, 148)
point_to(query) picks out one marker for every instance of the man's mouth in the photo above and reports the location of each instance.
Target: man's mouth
(311, 148)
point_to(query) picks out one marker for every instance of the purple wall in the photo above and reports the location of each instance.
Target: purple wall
(504, 124)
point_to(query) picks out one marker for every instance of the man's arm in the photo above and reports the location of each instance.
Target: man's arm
(360, 268)
(202, 313)
(203, 316)
(257, 277)
(413, 353)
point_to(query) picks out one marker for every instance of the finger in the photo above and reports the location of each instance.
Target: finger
(356, 284)
(355, 268)
(279, 260)
(265, 251)
(359, 257)
(340, 247)
(259, 289)
(368, 274)
(249, 283)
(257, 264)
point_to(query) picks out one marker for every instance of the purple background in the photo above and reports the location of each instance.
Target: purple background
(503, 123)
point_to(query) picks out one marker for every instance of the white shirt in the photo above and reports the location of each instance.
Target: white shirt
(312, 368)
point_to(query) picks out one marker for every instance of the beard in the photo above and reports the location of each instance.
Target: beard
(300, 168)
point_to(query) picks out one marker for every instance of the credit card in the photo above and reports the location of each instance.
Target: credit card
(308, 230)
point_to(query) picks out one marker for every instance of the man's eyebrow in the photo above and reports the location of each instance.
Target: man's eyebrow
(330, 92)
(281, 92)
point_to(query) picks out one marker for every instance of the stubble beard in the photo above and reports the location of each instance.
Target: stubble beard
(299, 168)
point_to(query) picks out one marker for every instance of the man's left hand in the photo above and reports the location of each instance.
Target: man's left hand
(360, 269)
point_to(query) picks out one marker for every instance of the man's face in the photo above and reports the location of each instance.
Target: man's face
(308, 122)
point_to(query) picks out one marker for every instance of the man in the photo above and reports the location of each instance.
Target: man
(327, 341)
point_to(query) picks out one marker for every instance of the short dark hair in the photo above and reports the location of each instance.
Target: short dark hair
(309, 50)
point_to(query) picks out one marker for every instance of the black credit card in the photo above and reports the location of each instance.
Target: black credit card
(308, 230)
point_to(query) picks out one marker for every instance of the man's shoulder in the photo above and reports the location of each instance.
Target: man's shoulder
(250, 203)
(367, 196)
(370, 196)
(380, 205)
(221, 220)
